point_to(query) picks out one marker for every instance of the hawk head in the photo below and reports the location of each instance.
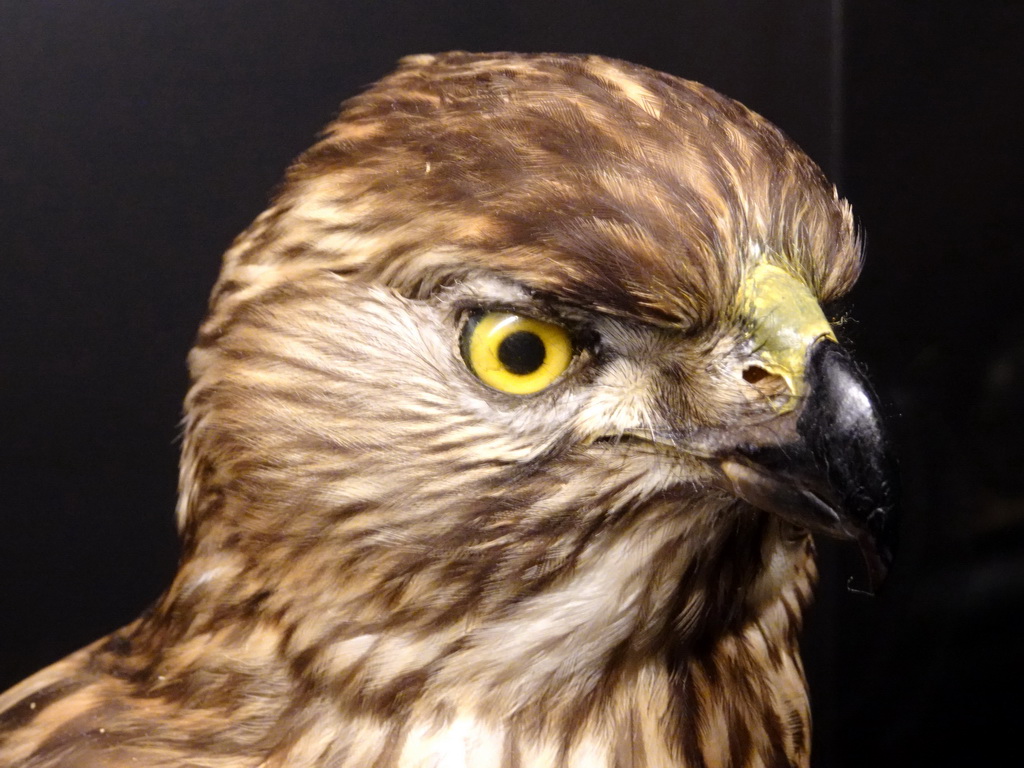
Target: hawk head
(510, 420)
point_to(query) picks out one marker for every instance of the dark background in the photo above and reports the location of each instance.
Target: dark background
(136, 139)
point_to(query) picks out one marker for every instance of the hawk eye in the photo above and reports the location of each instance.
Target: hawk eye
(515, 354)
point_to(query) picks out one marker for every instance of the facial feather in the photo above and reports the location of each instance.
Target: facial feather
(386, 561)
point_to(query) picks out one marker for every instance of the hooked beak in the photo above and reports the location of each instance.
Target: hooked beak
(823, 461)
(827, 465)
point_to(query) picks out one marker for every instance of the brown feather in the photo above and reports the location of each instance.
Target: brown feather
(382, 557)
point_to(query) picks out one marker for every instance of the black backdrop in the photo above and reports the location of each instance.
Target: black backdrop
(136, 139)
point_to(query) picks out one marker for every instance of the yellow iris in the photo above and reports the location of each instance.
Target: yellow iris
(515, 354)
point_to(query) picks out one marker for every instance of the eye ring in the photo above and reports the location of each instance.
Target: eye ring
(514, 353)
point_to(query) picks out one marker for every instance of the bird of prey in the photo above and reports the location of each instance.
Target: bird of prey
(509, 426)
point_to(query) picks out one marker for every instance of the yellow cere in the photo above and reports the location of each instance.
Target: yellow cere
(787, 321)
(516, 354)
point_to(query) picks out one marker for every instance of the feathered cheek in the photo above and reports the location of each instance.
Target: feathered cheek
(621, 402)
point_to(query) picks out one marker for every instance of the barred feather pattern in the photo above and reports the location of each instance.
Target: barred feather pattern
(386, 563)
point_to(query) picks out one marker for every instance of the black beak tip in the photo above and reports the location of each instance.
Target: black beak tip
(843, 429)
(878, 548)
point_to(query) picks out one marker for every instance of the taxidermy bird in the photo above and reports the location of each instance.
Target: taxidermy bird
(510, 423)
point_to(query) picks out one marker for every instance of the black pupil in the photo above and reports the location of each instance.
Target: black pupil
(521, 352)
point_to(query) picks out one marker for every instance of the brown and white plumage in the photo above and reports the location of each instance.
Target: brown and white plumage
(387, 562)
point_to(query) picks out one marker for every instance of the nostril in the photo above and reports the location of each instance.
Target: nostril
(754, 373)
(764, 382)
